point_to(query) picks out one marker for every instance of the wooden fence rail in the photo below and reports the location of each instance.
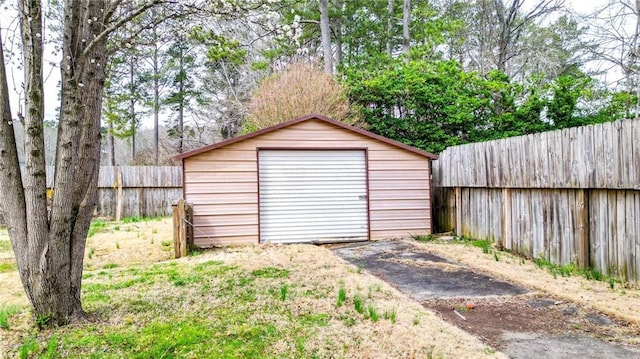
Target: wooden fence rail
(569, 196)
(135, 191)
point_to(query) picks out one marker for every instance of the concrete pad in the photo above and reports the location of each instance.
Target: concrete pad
(565, 346)
(519, 326)
(413, 272)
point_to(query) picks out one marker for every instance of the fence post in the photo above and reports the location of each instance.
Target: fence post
(119, 193)
(179, 229)
(506, 219)
(582, 216)
(458, 199)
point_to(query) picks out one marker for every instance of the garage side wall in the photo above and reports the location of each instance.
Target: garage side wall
(223, 184)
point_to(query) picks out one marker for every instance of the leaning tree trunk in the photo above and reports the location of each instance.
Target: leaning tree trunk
(11, 188)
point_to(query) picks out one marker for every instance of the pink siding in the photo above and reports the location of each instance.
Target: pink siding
(223, 185)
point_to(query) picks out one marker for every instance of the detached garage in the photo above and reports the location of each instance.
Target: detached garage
(310, 179)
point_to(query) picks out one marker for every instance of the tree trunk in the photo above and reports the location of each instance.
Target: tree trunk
(325, 31)
(338, 31)
(181, 120)
(112, 145)
(45, 276)
(156, 103)
(181, 101)
(156, 92)
(505, 23)
(635, 57)
(49, 248)
(12, 201)
(77, 161)
(390, 26)
(132, 104)
(406, 22)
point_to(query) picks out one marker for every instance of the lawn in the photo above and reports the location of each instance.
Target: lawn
(266, 301)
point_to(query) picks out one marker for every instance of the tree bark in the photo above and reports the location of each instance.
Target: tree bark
(325, 31)
(77, 161)
(50, 248)
(12, 202)
(506, 22)
(636, 56)
(132, 104)
(156, 96)
(338, 32)
(512, 22)
(44, 287)
(406, 22)
(390, 26)
(181, 101)
(112, 145)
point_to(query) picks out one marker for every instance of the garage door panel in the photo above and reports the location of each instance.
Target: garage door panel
(329, 189)
(306, 210)
(314, 238)
(289, 196)
(312, 195)
(316, 227)
(314, 222)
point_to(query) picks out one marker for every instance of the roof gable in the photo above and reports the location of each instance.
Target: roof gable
(303, 119)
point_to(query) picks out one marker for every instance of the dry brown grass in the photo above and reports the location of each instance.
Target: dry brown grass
(131, 244)
(416, 333)
(315, 278)
(128, 244)
(619, 302)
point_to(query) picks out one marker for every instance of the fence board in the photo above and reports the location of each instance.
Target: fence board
(569, 196)
(595, 156)
(636, 154)
(537, 226)
(636, 236)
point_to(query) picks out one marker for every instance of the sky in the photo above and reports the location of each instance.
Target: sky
(10, 31)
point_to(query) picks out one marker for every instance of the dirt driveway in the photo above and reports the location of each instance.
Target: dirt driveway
(520, 322)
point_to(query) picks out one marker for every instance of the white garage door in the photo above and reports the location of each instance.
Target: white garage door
(312, 196)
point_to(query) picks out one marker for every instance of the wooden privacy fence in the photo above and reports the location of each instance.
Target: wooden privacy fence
(135, 191)
(568, 196)
(142, 191)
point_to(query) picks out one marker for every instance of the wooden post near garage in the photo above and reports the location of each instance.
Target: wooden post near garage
(188, 212)
(180, 246)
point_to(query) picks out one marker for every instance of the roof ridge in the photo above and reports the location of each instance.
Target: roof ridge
(312, 116)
